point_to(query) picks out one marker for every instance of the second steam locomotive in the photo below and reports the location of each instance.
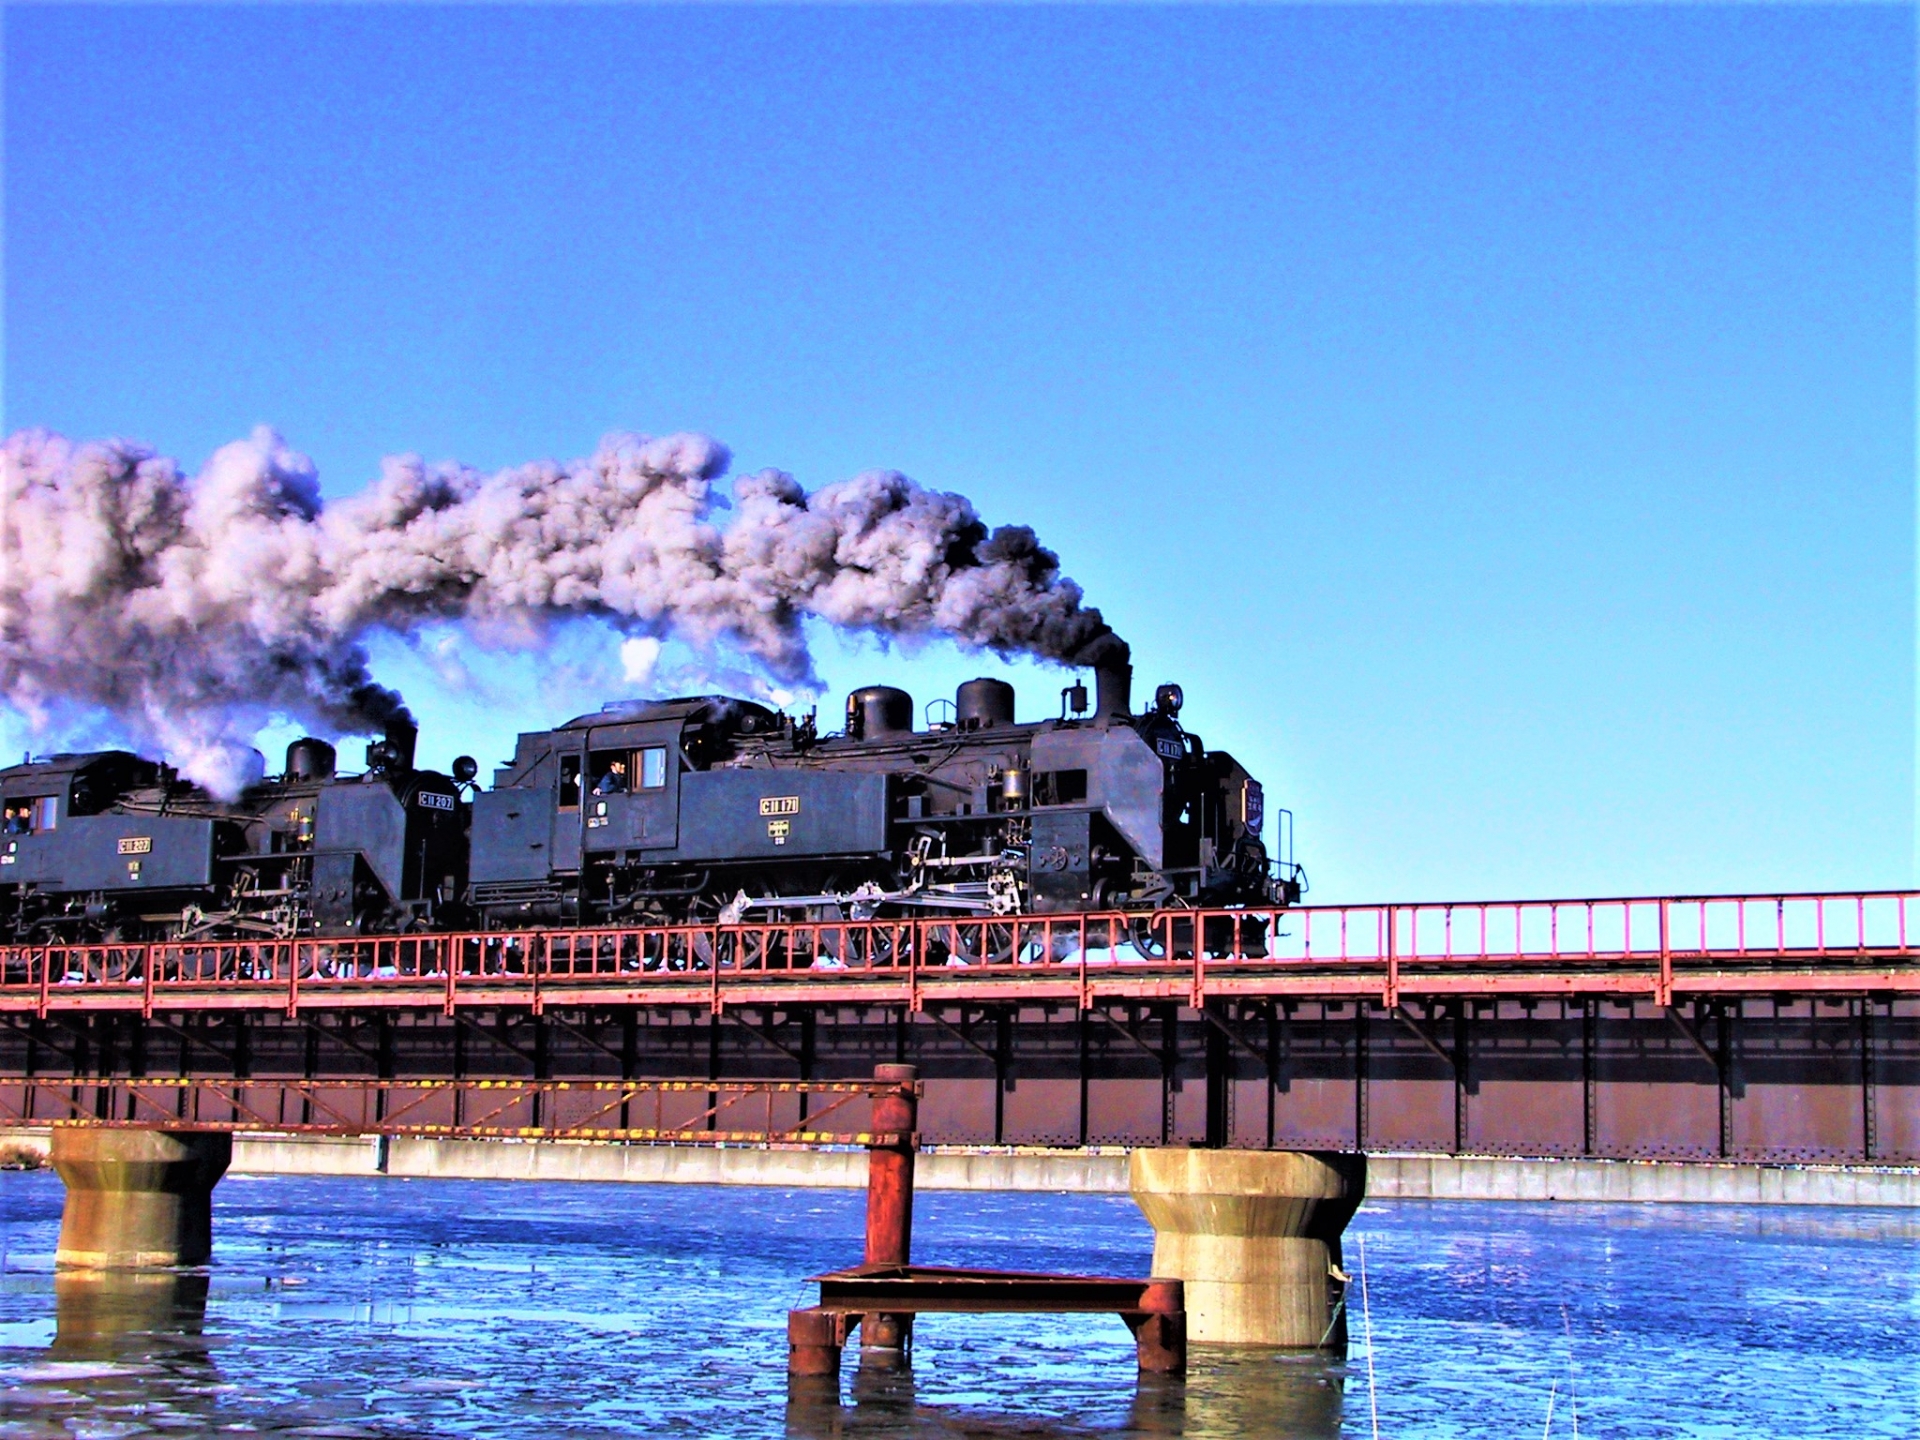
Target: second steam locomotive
(706, 808)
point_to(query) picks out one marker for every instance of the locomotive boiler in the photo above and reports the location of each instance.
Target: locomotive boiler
(109, 846)
(718, 808)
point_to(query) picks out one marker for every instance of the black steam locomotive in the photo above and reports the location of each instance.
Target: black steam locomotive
(109, 846)
(722, 808)
(705, 808)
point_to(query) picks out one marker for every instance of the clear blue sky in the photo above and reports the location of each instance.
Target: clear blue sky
(1501, 420)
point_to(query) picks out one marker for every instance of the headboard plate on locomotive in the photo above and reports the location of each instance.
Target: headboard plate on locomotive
(782, 814)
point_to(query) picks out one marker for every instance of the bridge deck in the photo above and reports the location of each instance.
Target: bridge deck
(1772, 1027)
(1662, 948)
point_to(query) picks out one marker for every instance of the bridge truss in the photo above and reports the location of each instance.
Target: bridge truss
(1763, 1027)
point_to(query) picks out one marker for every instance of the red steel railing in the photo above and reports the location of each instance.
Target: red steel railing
(1623, 943)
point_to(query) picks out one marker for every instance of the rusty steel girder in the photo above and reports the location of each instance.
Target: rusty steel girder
(1775, 1028)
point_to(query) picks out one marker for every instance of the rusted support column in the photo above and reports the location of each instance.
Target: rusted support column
(890, 1166)
(890, 1193)
(814, 1338)
(1255, 1235)
(137, 1199)
(1160, 1330)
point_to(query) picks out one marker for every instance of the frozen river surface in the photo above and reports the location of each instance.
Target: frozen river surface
(411, 1308)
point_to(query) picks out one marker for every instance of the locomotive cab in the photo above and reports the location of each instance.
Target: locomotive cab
(66, 860)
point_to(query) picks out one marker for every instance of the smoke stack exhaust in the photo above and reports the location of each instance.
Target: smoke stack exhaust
(1113, 691)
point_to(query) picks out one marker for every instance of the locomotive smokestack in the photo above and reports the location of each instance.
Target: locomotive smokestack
(402, 736)
(1113, 690)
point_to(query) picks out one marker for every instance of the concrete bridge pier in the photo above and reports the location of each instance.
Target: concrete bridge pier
(1255, 1234)
(137, 1199)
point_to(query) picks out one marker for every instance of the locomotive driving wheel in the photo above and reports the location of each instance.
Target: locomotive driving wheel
(1149, 939)
(963, 943)
(993, 944)
(1148, 943)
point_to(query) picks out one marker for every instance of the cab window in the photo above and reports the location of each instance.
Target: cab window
(569, 782)
(612, 772)
(653, 767)
(31, 814)
(616, 772)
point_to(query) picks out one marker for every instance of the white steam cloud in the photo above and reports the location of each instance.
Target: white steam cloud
(195, 609)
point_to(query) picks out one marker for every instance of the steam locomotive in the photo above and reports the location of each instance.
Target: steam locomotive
(110, 846)
(707, 807)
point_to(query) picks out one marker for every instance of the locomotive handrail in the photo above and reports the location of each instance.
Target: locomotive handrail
(1186, 951)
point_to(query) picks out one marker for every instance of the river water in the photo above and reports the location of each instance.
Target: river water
(415, 1308)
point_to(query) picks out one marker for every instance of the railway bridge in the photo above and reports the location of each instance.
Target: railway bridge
(1769, 1028)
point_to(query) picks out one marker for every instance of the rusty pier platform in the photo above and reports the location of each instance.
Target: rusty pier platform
(881, 1296)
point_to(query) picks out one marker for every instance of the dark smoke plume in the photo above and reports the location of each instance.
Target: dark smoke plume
(192, 609)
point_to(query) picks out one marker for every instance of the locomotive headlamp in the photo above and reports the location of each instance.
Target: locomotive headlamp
(1168, 699)
(465, 767)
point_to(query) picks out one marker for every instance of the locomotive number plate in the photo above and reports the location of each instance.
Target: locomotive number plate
(1169, 749)
(780, 805)
(433, 800)
(137, 845)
